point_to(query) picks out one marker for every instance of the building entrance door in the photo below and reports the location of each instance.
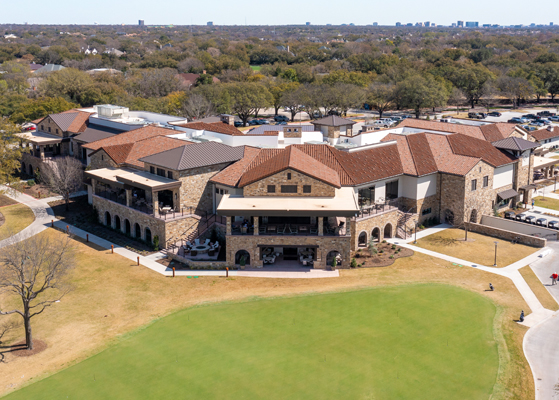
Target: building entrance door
(290, 253)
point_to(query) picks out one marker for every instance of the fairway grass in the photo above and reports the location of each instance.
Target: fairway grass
(479, 249)
(425, 341)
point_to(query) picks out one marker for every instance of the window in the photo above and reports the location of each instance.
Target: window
(366, 196)
(161, 172)
(42, 127)
(426, 211)
(289, 188)
(271, 188)
(170, 174)
(479, 169)
(152, 170)
(57, 131)
(392, 190)
(307, 188)
(216, 191)
(485, 181)
(49, 128)
(289, 176)
(221, 192)
(474, 184)
(102, 157)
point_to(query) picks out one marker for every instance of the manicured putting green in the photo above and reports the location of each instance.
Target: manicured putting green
(409, 342)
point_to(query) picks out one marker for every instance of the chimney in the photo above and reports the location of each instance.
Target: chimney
(550, 128)
(204, 72)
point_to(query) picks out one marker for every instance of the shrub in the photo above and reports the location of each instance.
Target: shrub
(384, 241)
(353, 263)
(357, 255)
(393, 247)
(372, 246)
(381, 251)
(334, 263)
(358, 265)
(391, 257)
(31, 182)
(156, 243)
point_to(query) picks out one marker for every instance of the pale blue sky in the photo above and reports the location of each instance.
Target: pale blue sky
(284, 12)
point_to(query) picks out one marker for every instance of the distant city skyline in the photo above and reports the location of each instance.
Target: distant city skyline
(288, 12)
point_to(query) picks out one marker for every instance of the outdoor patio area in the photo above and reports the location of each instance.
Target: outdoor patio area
(200, 250)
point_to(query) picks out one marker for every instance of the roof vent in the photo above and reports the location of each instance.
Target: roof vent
(550, 128)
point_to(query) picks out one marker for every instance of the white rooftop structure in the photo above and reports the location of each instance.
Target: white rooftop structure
(122, 118)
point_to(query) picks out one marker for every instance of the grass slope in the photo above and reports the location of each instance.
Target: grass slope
(18, 217)
(407, 342)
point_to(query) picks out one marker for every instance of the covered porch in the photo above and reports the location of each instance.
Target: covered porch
(41, 145)
(544, 167)
(151, 194)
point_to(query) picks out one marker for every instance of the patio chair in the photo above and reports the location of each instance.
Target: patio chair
(188, 243)
(262, 229)
(207, 242)
(197, 242)
(313, 231)
(292, 231)
(236, 228)
(216, 244)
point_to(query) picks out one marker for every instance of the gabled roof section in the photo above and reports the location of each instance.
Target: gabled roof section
(72, 121)
(231, 175)
(135, 135)
(422, 155)
(544, 134)
(514, 143)
(468, 130)
(219, 127)
(292, 158)
(481, 149)
(195, 156)
(497, 131)
(333, 120)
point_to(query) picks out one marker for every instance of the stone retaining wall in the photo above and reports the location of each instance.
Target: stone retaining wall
(506, 235)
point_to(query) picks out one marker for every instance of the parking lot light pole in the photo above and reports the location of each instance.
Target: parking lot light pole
(495, 254)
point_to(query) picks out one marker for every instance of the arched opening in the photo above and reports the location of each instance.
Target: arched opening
(137, 231)
(449, 217)
(334, 254)
(30, 170)
(148, 235)
(473, 216)
(362, 240)
(240, 255)
(38, 174)
(388, 231)
(107, 218)
(117, 223)
(23, 169)
(127, 227)
(375, 234)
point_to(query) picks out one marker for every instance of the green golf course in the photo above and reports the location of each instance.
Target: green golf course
(409, 342)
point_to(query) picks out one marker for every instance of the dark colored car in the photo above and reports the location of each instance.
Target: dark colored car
(530, 219)
(253, 122)
(546, 114)
(282, 123)
(553, 225)
(280, 118)
(531, 116)
(494, 114)
(515, 121)
(237, 124)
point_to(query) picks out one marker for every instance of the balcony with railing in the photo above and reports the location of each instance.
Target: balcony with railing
(381, 207)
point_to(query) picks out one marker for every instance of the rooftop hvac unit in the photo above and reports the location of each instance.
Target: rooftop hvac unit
(110, 111)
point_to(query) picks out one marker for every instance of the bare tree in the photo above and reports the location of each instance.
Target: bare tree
(197, 106)
(35, 271)
(64, 176)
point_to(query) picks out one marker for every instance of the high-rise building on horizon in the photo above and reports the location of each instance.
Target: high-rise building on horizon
(141, 22)
(307, 23)
(460, 24)
(398, 24)
(472, 24)
(210, 23)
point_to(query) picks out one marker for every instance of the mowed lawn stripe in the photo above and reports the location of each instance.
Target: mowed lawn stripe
(408, 342)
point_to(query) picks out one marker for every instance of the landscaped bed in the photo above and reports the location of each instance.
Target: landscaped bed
(407, 342)
(382, 255)
(478, 249)
(37, 190)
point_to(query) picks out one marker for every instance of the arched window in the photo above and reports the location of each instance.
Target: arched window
(362, 240)
(148, 235)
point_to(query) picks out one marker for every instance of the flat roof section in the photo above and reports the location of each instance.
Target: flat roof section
(40, 138)
(343, 204)
(136, 178)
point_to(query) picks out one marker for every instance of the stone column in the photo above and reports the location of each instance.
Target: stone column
(347, 226)
(256, 226)
(128, 197)
(42, 151)
(155, 202)
(228, 227)
(320, 226)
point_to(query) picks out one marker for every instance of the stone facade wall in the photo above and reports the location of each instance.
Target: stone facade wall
(166, 230)
(318, 188)
(49, 123)
(367, 225)
(292, 132)
(101, 160)
(507, 235)
(27, 160)
(452, 196)
(196, 191)
(325, 244)
(420, 205)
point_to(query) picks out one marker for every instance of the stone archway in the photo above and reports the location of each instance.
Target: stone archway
(362, 239)
(330, 257)
(240, 254)
(148, 235)
(23, 169)
(117, 223)
(449, 217)
(375, 234)
(388, 231)
(108, 218)
(137, 231)
(30, 168)
(127, 228)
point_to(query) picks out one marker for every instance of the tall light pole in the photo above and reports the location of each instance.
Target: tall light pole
(495, 254)
(415, 240)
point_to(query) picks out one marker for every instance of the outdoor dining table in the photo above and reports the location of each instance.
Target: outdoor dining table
(202, 248)
(303, 229)
(272, 228)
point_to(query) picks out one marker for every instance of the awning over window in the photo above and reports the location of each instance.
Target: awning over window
(507, 194)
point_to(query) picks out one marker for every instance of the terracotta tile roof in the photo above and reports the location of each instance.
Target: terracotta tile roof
(468, 130)
(498, 131)
(219, 127)
(130, 153)
(404, 152)
(291, 158)
(135, 135)
(421, 153)
(333, 120)
(481, 149)
(446, 160)
(544, 134)
(231, 175)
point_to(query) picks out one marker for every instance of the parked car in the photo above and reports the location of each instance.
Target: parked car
(334, 112)
(263, 121)
(510, 215)
(282, 123)
(383, 123)
(253, 122)
(541, 222)
(536, 123)
(515, 120)
(554, 118)
(530, 219)
(520, 217)
(475, 115)
(494, 114)
(530, 116)
(280, 118)
(546, 114)
(553, 225)
(237, 124)
(529, 128)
